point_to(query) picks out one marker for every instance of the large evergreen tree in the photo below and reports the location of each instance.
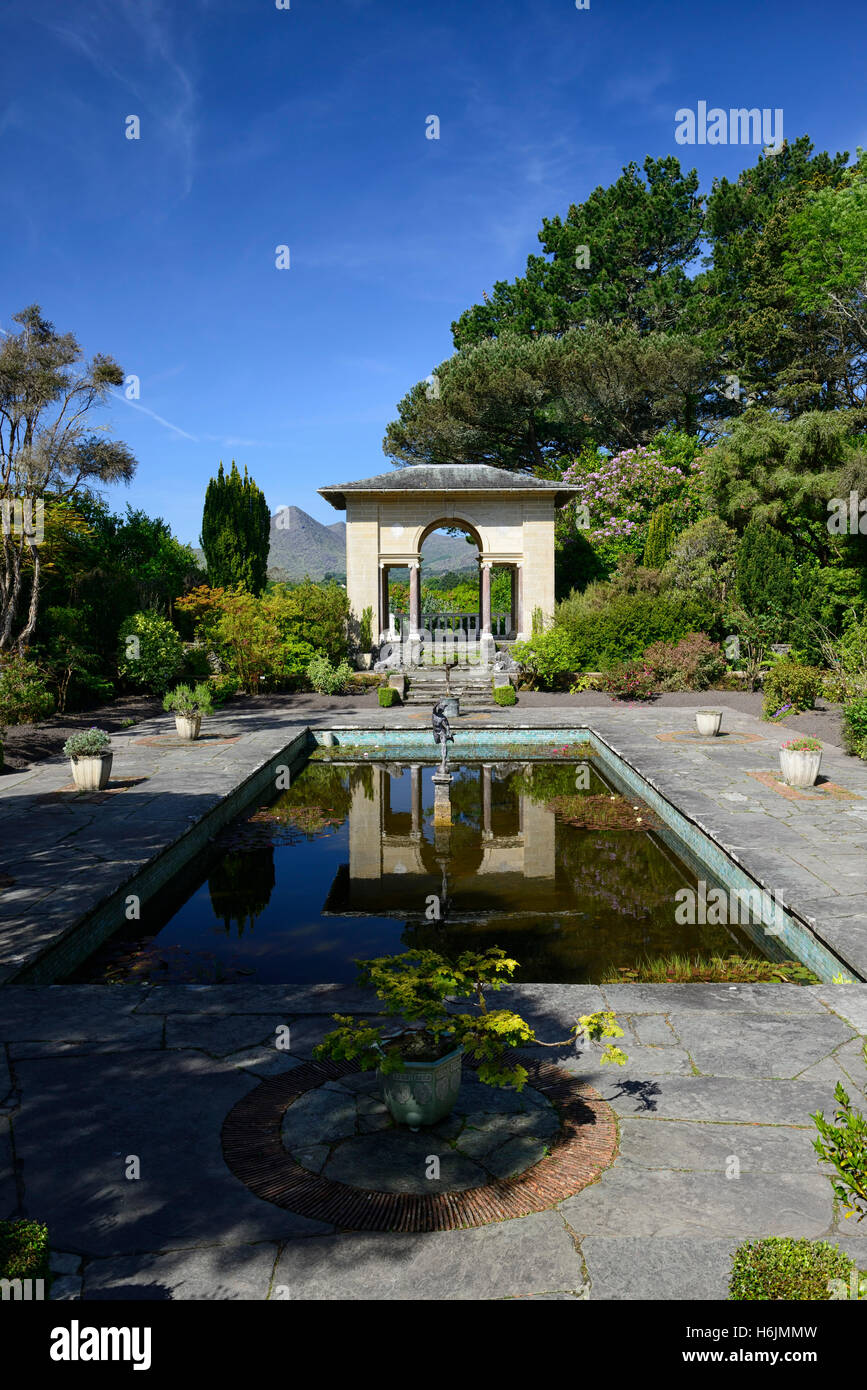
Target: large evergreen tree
(236, 527)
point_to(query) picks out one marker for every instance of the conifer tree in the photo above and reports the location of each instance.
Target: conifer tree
(236, 527)
(660, 535)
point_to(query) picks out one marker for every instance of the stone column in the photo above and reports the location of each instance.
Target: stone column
(384, 614)
(519, 614)
(486, 801)
(442, 800)
(415, 799)
(415, 598)
(486, 596)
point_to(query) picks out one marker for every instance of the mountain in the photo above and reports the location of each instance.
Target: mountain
(302, 546)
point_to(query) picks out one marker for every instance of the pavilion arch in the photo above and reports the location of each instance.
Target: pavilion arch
(509, 515)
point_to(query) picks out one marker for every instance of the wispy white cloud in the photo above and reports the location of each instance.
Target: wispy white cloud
(135, 43)
(176, 429)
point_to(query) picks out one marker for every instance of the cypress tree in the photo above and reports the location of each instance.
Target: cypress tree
(765, 569)
(660, 535)
(236, 528)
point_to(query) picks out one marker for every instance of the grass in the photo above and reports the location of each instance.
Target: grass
(676, 969)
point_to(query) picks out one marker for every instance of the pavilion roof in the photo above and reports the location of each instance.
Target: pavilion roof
(450, 478)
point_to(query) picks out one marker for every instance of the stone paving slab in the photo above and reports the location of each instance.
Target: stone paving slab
(669, 1203)
(710, 1147)
(626, 1268)
(534, 1254)
(215, 1272)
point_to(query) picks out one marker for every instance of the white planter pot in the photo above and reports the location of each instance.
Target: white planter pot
(707, 721)
(91, 774)
(799, 769)
(188, 727)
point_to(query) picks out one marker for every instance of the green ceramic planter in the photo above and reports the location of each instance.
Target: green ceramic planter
(423, 1092)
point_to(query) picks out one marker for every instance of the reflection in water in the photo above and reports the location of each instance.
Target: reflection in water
(347, 864)
(240, 887)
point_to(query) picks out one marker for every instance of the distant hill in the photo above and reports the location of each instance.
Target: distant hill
(302, 546)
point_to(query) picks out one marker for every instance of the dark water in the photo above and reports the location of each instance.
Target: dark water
(347, 864)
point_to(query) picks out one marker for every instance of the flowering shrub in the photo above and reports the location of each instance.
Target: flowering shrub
(802, 745)
(629, 680)
(90, 743)
(693, 663)
(621, 492)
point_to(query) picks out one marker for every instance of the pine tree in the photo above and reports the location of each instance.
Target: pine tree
(660, 535)
(236, 527)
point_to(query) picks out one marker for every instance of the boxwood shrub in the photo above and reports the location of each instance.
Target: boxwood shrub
(388, 696)
(783, 1268)
(505, 695)
(23, 1250)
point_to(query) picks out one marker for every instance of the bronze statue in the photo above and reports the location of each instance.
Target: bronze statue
(442, 729)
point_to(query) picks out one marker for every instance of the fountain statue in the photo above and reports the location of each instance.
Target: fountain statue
(442, 778)
(442, 732)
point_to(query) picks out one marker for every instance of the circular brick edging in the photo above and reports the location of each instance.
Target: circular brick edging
(254, 1152)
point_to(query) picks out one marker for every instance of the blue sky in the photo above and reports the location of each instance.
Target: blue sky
(306, 127)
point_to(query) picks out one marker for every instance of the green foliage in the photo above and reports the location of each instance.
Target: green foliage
(88, 743)
(505, 695)
(24, 1250)
(388, 697)
(223, 687)
(782, 1268)
(328, 679)
(765, 570)
(855, 727)
(790, 683)
(754, 633)
(365, 630)
(150, 652)
(702, 560)
(236, 529)
(24, 697)
(844, 1146)
(826, 260)
(418, 985)
(190, 701)
(67, 654)
(660, 536)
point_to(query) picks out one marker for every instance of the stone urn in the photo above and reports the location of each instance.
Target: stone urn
(800, 766)
(708, 721)
(423, 1092)
(451, 706)
(91, 773)
(188, 726)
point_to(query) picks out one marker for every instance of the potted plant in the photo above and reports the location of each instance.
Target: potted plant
(800, 760)
(90, 756)
(420, 1060)
(708, 721)
(189, 703)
